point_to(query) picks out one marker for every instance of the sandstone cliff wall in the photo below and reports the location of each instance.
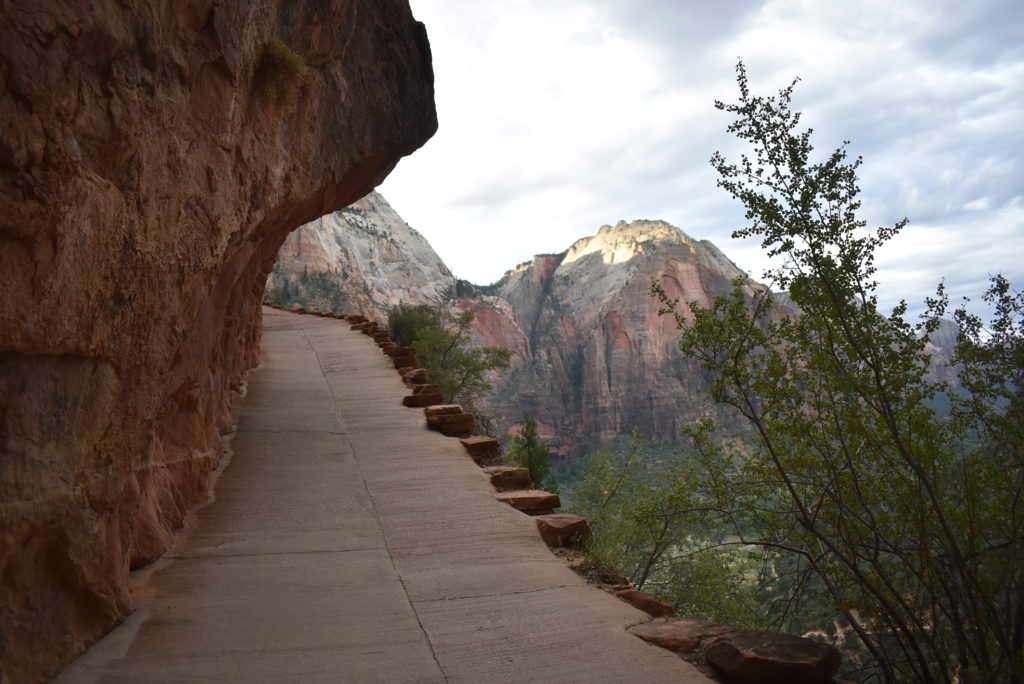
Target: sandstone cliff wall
(599, 361)
(367, 258)
(145, 189)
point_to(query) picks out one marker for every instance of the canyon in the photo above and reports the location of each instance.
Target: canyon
(145, 189)
(591, 357)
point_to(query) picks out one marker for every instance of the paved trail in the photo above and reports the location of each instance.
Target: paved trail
(348, 543)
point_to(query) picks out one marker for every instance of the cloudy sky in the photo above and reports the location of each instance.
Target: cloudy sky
(558, 116)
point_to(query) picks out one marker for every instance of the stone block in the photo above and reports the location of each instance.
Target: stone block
(452, 424)
(422, 399)
(770, 658)
(483, 450)
(407, 361)
(531, 501)
(443, 409)
(683, 636)
(562, 529)
(417, 376)
(507, 477)
(648, 604)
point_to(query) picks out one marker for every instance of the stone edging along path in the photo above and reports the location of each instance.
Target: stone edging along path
(720, 651)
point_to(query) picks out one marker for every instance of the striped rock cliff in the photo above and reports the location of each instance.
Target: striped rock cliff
(599, 361)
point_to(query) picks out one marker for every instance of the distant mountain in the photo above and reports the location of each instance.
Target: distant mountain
(591, 357)
(363, 258)
(940, 348)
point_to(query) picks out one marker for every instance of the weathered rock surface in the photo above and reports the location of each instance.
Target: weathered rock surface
(598, 360)
(940, 348)
(562, 529)
(771, 658)
(145, 189)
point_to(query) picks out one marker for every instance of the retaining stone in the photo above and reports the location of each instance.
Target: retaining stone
(562, 529)
(507, 477)
(531, 501)
(483, 450)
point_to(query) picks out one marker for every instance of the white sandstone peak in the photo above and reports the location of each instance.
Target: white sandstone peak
(623, 241)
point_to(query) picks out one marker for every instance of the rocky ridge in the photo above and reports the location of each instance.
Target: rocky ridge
(145, 188)
(591, 357)
(372, 260)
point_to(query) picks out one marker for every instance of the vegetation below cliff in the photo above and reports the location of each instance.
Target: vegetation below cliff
(857, 512)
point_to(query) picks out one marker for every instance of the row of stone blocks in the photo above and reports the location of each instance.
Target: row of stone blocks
(739, 656)
(404, 360)
(415, 378)
(513, 484)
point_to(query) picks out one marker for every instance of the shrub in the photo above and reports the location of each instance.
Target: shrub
(279, 76)
(406, 322)
(528, 451)
(442, 343)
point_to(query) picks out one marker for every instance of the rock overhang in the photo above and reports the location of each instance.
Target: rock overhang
(145, 192)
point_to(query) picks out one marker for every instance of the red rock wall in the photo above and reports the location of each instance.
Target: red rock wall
(592, 359)
(144, 192)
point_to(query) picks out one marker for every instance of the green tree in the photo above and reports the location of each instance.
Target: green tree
(650, 524)
(405, 322)
(528, 451)
(442, 342)
(906, 525)
(991, 359)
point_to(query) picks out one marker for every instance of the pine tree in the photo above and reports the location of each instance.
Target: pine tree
(528, 451)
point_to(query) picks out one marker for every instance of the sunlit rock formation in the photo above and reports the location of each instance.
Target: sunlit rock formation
(599, 360)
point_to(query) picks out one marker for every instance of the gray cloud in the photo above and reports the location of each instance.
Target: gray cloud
(559, 117)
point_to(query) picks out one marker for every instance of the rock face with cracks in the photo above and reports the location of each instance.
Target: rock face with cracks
(145, 188)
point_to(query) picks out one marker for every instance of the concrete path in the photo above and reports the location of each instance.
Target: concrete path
(347, 543)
